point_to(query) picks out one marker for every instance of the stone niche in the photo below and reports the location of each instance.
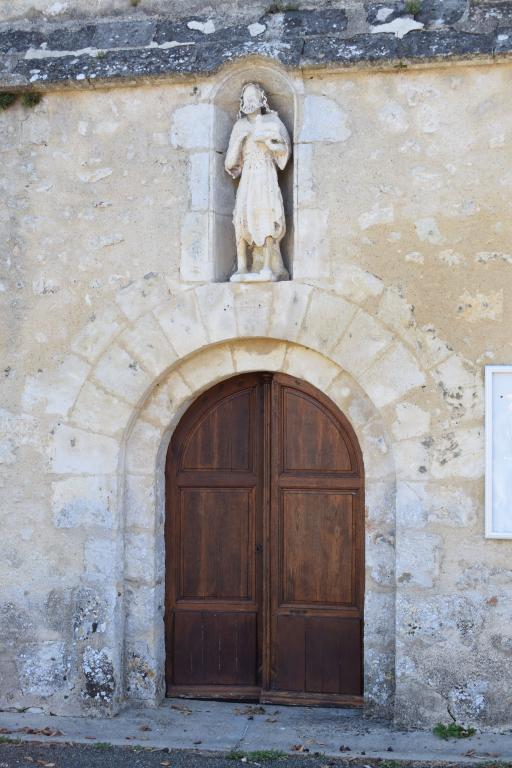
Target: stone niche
(220, 259)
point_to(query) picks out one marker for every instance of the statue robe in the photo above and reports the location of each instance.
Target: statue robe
(259, 211)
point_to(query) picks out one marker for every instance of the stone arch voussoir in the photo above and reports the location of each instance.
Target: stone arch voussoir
(147, 360)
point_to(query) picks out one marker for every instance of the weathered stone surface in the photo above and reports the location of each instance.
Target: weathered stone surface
(97, 333)
(75, 451)
(191, 126)
(335, 50)
(429, 12)
(140, 296)
(111, 49)
(181, 322)
(418, 558)
(432, 45)
(441, 12)
(362, 342)
(12, 40)
(504, 41)
(392, 375)
(298, 23)
(263, 355)
(288, 309)
(43, 669)
(217, 308)
(136, 380)
(101, 560)
(121, 34)
(398, 246)
(56, 390)
(143, 679)
(149, 345)
(323, 120)
(100, 411)
(85, 502)
(98, 671)
(489, 15)
(140, 501)
(144, 444)
(326, 320)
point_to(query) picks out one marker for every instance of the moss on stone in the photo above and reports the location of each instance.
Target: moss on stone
(7, 100)
(31, 99)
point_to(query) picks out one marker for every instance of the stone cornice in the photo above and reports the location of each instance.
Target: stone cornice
(140, 48)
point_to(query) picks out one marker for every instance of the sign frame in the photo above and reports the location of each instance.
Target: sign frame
(490, 372)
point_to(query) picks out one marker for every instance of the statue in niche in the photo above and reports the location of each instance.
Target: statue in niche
(259, 142)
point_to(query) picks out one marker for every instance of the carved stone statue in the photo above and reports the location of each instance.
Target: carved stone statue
(259, 142)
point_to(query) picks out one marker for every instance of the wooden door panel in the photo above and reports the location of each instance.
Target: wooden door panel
(311, 440)
(318, 655)
(213, 521)
(333, 653)
(222, 438)
(215, 648)
(316, 532)
(290, 653)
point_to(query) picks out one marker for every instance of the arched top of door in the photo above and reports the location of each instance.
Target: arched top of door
(332, 445)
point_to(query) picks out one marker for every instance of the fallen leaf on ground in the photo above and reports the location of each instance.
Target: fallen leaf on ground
(165, 762)
(271, 720)
(299, 748)
(182, 708)
(144, 727)
(90, 737)
(198, 741)
(344, 748)
(5, 730)
(40, 731)
(250, 710)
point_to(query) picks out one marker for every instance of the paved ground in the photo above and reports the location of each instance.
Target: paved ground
(104, 756)
(223, 727)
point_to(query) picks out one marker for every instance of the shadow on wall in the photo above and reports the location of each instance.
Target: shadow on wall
(226, 100)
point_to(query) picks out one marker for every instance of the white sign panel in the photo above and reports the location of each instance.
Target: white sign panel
(498, 451)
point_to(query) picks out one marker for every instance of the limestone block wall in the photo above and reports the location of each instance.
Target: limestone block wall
(401, 293)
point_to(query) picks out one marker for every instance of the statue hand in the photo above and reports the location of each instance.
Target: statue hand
(276, 145)
(234, 172)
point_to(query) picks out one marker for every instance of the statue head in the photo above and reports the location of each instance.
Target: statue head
(252, 99)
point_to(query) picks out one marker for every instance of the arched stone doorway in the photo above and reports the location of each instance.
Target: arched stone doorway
(265, 546)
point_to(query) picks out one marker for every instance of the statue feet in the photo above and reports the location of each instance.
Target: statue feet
(263, 276)
(238, 275)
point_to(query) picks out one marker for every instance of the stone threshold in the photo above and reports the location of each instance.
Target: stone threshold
(118, 50)
(214, 726)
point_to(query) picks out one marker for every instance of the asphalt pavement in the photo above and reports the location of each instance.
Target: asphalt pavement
(102, 755)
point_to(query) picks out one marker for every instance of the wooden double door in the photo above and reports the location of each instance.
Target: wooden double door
(265, 547)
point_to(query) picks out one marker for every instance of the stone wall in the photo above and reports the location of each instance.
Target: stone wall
(77, 44)
(400, 295)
